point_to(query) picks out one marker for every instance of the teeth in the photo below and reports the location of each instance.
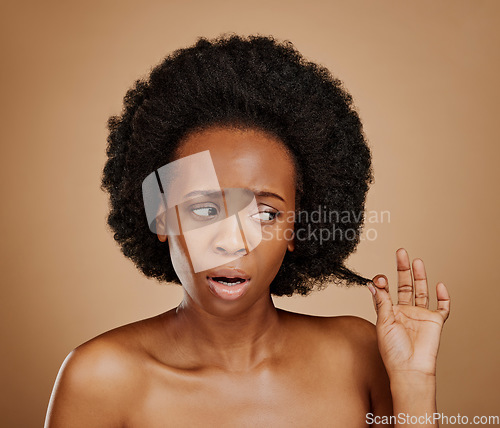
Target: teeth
(233, 281)
(230, 283)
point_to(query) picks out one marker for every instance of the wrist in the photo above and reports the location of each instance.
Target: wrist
(415, 382)
(412, 375)
(413, 394)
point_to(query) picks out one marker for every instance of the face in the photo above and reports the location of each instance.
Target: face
(258, 180)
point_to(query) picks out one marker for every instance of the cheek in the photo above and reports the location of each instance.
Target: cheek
(270, 252)
(180, 258)
(282, 231)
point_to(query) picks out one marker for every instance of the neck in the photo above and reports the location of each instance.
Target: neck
(232, 342)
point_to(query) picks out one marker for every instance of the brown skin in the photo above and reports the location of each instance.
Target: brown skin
(241, 363)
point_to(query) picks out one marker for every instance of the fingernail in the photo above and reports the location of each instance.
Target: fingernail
(381, 281)
(372, 289)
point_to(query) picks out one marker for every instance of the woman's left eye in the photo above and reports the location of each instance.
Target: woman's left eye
(265, 216)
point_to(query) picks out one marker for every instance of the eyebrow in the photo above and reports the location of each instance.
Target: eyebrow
(257, 193)
(200, 193)
(264, 194)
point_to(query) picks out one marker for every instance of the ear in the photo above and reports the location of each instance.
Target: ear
(291, 243)
(161, 228)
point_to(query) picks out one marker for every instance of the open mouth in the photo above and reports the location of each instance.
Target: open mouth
(228, 284)
(227, 280)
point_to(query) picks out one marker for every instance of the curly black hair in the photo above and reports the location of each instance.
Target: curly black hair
(259, 83)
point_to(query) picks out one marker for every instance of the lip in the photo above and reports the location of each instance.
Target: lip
(228, 292)
(229, 272)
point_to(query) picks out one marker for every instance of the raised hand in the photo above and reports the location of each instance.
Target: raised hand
(409, 333)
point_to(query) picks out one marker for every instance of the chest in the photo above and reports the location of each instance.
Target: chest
(306, 398)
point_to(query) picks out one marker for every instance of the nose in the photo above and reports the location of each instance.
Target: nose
(229, 239)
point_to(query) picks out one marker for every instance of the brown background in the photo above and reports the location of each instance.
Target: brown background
(424, 76)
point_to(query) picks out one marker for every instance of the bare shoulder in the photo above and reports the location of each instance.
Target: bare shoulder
(351, 340)
(354, 331)
(358, 332)
(360, 356)
(107, 357)
(99, 379)
(359, 336)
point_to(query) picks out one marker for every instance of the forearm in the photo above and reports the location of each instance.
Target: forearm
(414, 401)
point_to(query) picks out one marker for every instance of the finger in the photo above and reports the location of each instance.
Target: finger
(380, 281)
(420, 284)
(405, 282)
(444, 300)
(383, 301)
(371, 287)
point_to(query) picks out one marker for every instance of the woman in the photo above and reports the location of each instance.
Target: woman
(255, 133)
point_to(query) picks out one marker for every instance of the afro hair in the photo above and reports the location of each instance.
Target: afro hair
(259, 83)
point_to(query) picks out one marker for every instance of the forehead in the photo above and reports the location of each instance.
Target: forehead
(244, 158)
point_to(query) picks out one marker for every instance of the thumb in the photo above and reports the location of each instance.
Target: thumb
(382, 299)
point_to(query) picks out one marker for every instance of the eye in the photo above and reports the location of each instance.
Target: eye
(265, 216)
(204, 211)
